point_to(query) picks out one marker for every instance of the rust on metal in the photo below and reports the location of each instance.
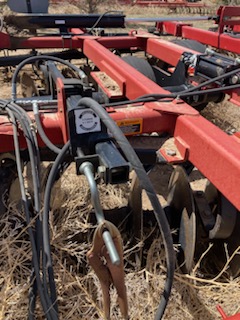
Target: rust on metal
(107, 272)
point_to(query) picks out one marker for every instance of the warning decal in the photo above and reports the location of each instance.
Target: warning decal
(131, 126)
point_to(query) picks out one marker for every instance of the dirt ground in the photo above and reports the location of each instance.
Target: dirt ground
(194, 296)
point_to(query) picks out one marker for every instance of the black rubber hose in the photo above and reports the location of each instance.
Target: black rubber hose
(11, 109)
(206, 83)
(35, 260)
(100, 18)
(32, 59)
(31, 140)
(47, 259)
(41, 132)
(193, 90)
(183, 94)
(147, 185)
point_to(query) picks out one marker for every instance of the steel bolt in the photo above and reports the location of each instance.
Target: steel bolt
(101, 171)
(171, 153)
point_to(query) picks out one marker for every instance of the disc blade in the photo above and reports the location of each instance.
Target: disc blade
(180, 200)
(187, 238)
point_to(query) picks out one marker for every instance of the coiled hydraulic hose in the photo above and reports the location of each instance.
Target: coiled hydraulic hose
(15, 112)
(33, 59)
(41, 132)
(147, 185)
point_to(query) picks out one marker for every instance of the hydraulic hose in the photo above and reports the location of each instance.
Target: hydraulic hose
(21, 115)
(41, 132)
(183, 94)
(147, 185)
(33, 59)
(100, 18)
(35, 255)
(47, 259)
(193, 91)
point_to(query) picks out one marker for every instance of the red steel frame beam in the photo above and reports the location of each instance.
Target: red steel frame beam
(213, 152)
(166, 50)
(218, 40)
(228, 17)
(171, 53)
(166, 4)
(61, 42)
(215, 39)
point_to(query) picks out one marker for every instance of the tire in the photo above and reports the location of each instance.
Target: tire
(190, 44)
(141, 65)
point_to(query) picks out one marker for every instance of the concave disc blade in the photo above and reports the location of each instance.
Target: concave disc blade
(180, 200)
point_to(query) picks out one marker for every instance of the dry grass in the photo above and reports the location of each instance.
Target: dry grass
(193, 296)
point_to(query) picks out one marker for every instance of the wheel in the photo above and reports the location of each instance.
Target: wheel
(141, 65)
(190, 44)
(220, 222)
(225, 233)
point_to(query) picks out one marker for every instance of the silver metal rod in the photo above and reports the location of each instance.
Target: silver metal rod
(87, 169)
(159, 19)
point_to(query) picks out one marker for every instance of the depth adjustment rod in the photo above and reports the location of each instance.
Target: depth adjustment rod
(87, 169)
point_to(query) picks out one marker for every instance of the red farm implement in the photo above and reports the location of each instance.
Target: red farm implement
(178, 5)
(101, 112)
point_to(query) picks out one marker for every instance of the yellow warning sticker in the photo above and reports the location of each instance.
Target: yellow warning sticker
(130, 126)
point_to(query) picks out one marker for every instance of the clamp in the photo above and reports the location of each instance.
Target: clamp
(107, 272)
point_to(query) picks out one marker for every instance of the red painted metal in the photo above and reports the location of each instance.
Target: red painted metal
(214, 39)
(55, 127)
(197, 140)
(51, 124)
(213, 152)
(229, 16)
(224, 316)
(5, 40)
(171, 27)
(131, 82)
(228, 21)
(14, 43)
(73, 42)
(166, 50)
(204, 36)
(164, 3)
(205, 143)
